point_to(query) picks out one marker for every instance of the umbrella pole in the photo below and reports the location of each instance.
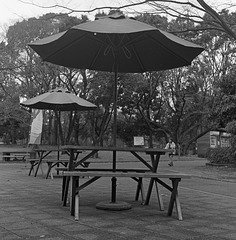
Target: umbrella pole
(113, 180)
(115, 111)
(58, 137)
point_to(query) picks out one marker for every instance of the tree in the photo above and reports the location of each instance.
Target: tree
(191, 10)
(183, 103)
(26, 69)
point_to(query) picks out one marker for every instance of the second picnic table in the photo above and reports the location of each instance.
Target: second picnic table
(42, 153)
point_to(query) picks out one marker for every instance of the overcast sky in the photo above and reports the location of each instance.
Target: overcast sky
(17, 10)
(12, 10)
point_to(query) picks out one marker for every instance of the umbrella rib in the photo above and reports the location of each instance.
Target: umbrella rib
(124, 48)
(95, 59)
(66, 46)
(134, 50)
(139, 60)
(167, 49)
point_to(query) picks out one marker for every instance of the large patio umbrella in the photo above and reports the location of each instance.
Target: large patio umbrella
(59, 100)
(116, 44)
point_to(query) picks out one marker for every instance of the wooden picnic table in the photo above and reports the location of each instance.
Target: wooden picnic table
(42, 153)
(41, 156)
(151, 163)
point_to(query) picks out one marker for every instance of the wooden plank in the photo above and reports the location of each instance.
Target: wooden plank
(107, 169)
(56, 160)
(126, 174)
(15, 155)
(19, 157)
(120, 149)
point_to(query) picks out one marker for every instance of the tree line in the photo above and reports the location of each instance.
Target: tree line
(182, 103)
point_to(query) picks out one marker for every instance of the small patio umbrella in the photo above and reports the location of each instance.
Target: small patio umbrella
(59, 100)
(116, 44)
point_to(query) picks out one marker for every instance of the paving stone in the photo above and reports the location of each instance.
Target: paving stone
(31, 208)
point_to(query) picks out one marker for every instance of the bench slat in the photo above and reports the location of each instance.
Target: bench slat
(19, 157)
(125, 174)
(61, 169)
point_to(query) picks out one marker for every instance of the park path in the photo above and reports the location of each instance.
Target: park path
(31, 208)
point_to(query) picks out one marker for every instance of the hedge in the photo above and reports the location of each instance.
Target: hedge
(226, 155)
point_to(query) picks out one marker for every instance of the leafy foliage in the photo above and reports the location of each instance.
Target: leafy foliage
(225, 155)
(182, 103)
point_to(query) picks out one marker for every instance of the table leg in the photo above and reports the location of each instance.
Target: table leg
(67, 179)
(63, 187)
(77, 206)
(178, 207)
(140, 190)
(159, 197)
(65, 190)
(32, 163)
(174, 193)
(73, 193)
(149, 191)
(37, 168)
(49, 169)
(155, 162)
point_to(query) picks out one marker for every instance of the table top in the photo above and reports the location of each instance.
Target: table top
(121, 149)
(46, 148)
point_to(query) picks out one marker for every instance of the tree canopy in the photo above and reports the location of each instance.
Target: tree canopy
(183, 103)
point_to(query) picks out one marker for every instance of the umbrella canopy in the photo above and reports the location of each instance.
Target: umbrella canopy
(59, 99)
(116, 43)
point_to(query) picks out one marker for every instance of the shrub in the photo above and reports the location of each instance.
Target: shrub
(224, 155)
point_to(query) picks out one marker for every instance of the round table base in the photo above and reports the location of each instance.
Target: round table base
(116, 206)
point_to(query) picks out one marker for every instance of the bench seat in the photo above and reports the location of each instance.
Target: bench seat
(15, 156)
(141, 170)
(175, 178)
(138, 180)
(55, 162)
(50, 162)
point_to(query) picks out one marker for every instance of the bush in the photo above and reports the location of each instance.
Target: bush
(226, 155)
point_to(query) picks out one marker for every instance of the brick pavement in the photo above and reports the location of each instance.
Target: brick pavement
(30, 208)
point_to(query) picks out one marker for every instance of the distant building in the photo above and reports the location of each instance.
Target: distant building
(212, 139)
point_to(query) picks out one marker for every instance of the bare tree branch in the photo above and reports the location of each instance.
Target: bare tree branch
(163, 6)
(217, 17)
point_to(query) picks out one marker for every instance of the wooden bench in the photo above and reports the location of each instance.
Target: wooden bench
(15, 156)
(139, 190)
(175, 178)
(52, 163)
(55, 162)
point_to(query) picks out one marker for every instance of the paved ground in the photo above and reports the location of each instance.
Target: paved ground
(30, 207)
